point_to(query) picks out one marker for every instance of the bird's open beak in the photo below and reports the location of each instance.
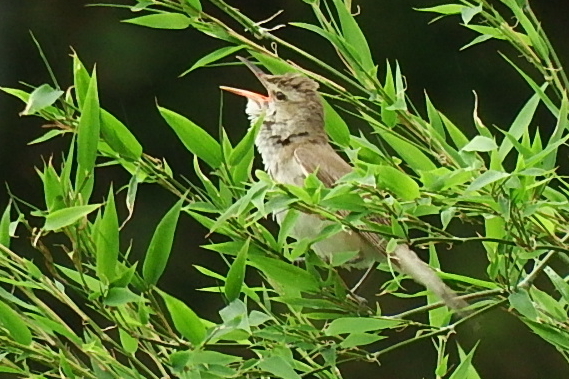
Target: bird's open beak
(248, 94)
(259, 98)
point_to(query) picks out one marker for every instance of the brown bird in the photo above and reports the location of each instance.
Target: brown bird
(293, 143)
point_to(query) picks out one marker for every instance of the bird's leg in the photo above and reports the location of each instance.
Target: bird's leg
(362, 280)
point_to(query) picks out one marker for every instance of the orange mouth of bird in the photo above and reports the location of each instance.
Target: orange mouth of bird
(248, 94)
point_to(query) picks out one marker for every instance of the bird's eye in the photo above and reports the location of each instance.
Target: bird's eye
(280, 96)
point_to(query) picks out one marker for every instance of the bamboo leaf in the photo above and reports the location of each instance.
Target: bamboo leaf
(214, 56)
(480, 143)
(5, 226)
(15, 325)
(88, 140)
(186, 322)
(358, 325)
(335, 126)
(119, 138)
(107, 241)
(236, 274)
(41, 98)
(196, 140)
(162, 21)
(397, 182)
(160, 246)
(486, 178)
(67, 216)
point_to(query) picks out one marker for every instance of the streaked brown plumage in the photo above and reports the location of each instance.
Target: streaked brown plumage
(293, 143)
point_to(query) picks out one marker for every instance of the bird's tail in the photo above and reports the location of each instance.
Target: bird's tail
(409, 263)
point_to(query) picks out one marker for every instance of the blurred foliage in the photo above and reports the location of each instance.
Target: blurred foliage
(301, 321)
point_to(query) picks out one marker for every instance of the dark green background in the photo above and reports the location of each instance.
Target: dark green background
(139, 66)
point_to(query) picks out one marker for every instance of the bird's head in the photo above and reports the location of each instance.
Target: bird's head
(291, 98)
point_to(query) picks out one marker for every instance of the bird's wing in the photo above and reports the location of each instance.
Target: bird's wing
(329, 167)
(322, 160)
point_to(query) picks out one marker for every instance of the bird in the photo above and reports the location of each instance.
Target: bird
(293, 144)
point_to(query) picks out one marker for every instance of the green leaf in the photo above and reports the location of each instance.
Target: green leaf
(196, 140)
(480, 143)
(467, 13)
(119, 138)
(162, 21)
(354, 36)
(52, 188)
(279, 367)
(520, 125)
(559, 283)
(335, 126)
(88, 140)
(445, 9)
(195, 3)
(360, 339)
(560, 129)
(540, 91)
(486, 178)
(41, 98)
(521, 301)
(213, 57)
(81, 80)
(185, 320)
(359, 325)
(397, 182)
(285, 274)
(412, 155)
(15, 325)
(67, 216)
(160, 246)
(119, 296)
(5, 226)
(241, 158)
(236, 274)
(128, 342)
(47, 136)
(434, 118)
(107, 241)
(464, 369)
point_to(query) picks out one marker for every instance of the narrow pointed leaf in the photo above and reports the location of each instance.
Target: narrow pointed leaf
(107, 241)
(160, 246)
(67, 216)
(14, 324)
(236, 274)
(5, 226)
(162, 21)
(213, 57)
(186, 322)
(119, 138)
(520, 124)
(196, 140)
(81, 80)
(88, 140)
(335, 126)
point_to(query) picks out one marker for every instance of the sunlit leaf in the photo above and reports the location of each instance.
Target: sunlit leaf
(67, 216)
(196, 140)
(41, 98)
(359, 325)
(162, 21)
(213, 57)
